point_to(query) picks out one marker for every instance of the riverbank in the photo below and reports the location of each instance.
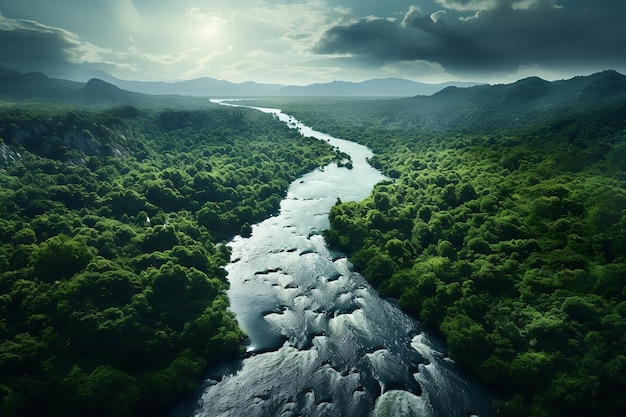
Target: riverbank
(322, 342)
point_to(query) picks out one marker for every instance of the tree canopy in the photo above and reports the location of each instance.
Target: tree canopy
(510, 243)
(112, 223)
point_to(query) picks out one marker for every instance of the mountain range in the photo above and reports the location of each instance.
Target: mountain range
(505, 105)
(488, 108)
(518, 104)
(211, 87)
(37, 88)
(104, 88)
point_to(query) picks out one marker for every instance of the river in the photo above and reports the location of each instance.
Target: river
(321, 340)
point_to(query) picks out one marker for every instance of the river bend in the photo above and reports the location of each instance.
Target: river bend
(321, 340)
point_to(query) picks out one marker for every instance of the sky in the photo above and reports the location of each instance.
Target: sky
(306, 41)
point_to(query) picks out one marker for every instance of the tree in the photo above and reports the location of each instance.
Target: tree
(467, 340)
(60, 257)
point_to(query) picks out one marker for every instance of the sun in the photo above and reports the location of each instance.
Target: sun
(209, 26)
(212, 29)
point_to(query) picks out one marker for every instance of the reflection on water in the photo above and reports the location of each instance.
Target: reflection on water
(321, 340)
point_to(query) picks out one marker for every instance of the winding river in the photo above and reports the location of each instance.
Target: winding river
(321, 340)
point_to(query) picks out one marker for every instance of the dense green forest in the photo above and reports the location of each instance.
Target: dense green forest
(502, 226)
(509, 240)
(112, 223)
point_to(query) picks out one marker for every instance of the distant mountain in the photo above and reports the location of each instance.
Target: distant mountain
(479, 107)
(200, 87)
(380, 87)
(211, 87)
(96, 90)
(540, 93)
(488, 107)
(517, 104)
(16, 85)
(39, 88)
(214, 88)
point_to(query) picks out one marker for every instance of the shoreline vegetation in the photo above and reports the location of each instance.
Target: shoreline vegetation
(112, 223)
(508, 241)
(503, 227)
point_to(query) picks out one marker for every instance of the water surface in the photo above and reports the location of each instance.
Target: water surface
(321, 340)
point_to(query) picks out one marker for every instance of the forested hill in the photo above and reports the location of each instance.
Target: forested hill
(510, 241)
(112, 222)
(37, 88)
(484, 108)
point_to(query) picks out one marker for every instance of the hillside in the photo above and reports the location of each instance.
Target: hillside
(211, 87)
(37, 88)
(108, 90)
(199, 87)
(503, 228)
(112, 222)
(16, 85)
(505, 234)
(483, 108)
(385, 87)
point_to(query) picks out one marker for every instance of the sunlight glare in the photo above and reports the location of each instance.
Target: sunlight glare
(212, 28)
(210, 25)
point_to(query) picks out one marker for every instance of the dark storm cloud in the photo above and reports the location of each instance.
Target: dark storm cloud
(503, 36)
(378, 39)
(24, 48)
(29, 46)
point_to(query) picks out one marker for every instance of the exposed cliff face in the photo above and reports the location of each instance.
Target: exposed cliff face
(7, 154)
(66, 137)
(42, 140)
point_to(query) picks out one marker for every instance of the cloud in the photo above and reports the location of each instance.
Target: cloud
(290, 24)
(164, 59)
(496, 37)
(468, 4)
(30, 46)
(476, 5)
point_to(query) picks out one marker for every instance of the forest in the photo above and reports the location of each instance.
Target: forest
(508, 239)
(502, 227)
(113, 222)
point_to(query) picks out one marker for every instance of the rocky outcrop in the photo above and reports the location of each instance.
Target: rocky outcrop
(69, 137)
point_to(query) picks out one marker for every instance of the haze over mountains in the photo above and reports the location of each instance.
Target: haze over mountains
(517, 104)
(214, 88)
(211, 87)
(484, 108)
(38, 88)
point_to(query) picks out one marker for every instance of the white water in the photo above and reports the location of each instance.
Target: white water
(321, 340)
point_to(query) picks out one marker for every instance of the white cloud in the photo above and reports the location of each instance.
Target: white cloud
(279, 40)
(203, 64)
(293, 25)
(439, 15)
(207, 17)
(464, 5)
(164, 59)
